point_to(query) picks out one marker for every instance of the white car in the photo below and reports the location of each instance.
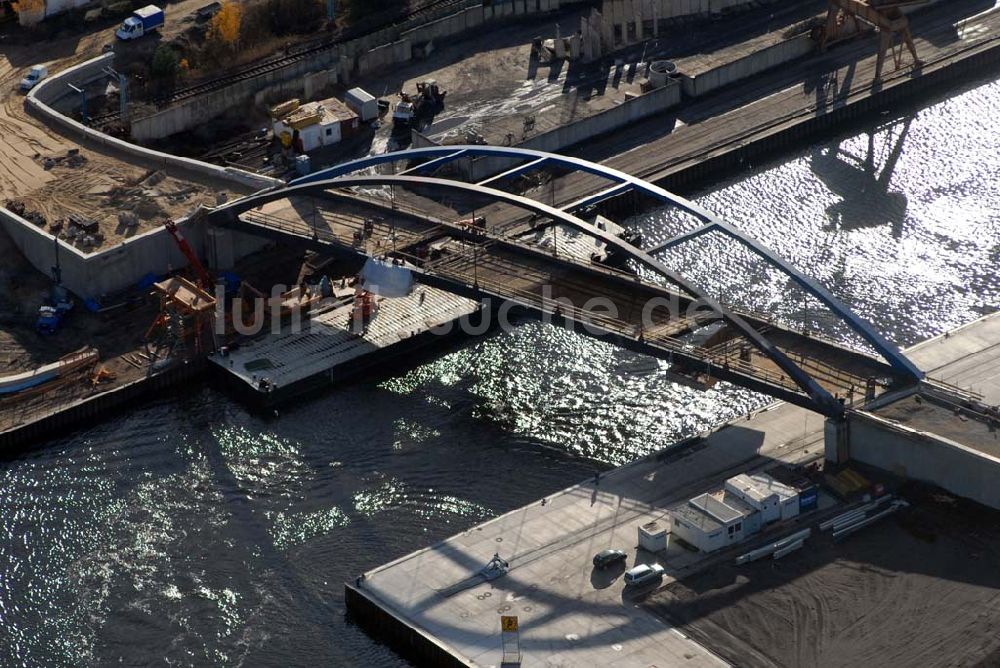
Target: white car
(37, 73)
(643, 574)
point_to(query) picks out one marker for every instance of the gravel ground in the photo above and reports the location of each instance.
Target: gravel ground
(920, 588)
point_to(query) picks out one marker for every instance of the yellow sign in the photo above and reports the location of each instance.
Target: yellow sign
(508, 623)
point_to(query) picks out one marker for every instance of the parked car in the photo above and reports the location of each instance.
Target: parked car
(643, 574)
(606, 558)
(36, 74)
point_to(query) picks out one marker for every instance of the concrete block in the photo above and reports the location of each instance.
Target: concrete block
(313, 83)
(923, 456)
(575, 47)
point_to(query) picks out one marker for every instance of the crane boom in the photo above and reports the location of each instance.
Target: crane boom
(204, 278)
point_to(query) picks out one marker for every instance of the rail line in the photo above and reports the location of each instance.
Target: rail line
(429, 11)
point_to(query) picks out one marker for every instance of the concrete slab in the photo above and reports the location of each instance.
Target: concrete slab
(947, 420)
(322, 343)
(968, 357)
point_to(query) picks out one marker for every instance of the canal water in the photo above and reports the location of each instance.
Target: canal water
(191, 532)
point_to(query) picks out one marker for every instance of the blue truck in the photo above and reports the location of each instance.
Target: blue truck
(141, 22)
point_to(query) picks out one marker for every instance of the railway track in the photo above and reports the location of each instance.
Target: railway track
(428, 11)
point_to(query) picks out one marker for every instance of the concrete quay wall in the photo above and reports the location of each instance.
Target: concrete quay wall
(48, 92)
(404, 638)
(734, 154)
(923, 456)
(97, 407)
(114, 269)
(553, 141)
(629, 111)
(103, 272)
(754, 63)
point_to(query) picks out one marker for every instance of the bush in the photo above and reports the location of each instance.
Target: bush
(359, 9)
(165, 62)
(296, 16)
(226, 25)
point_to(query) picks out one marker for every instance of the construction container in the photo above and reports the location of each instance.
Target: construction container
(322, 123)
(362, 103)
(303, 165)
(755, 495)
(808, 498)
(653, 536)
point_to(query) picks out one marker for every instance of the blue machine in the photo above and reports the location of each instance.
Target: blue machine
(50, 316)
(303, 165)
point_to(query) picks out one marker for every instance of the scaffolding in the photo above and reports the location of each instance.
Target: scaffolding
(184, 323)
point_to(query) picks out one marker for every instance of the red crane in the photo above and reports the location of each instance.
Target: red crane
(204, 278)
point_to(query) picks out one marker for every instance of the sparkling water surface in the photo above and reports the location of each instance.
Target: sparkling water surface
(192, 532)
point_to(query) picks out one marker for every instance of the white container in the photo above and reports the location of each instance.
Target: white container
(653, 536)
(362, 103)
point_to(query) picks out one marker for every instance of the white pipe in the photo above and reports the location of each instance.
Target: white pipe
(761, 552)
(839, 519)
(778, 554)
(863, 523)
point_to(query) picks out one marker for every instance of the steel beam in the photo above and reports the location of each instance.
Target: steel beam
(680, 239)
(435, 163)
(515, 171)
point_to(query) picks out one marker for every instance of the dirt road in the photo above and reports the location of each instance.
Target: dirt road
(60, 190)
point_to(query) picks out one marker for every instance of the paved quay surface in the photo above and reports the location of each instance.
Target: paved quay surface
(774, 100)
(570, 616)
(968, 357)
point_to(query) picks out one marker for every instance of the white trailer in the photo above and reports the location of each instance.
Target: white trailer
(362, 103)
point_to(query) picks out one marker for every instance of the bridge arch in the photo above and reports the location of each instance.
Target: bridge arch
(344, 177)
(438, 156)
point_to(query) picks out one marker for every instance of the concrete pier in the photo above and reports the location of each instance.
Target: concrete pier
(433, 606)
(324, 348)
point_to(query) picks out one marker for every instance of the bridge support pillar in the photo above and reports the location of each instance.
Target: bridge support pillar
(836, 440)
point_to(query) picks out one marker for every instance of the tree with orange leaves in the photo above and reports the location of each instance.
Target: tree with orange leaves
(226, 24)
(29, 12)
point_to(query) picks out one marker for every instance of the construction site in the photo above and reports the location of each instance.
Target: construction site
(346, 195)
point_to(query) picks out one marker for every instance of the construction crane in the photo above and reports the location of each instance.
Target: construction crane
(886, 16)
(204, 278)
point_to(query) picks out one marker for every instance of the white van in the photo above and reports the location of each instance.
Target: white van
(643, 574)
(37, 73)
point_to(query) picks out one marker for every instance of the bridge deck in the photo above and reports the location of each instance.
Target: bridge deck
(547, 281)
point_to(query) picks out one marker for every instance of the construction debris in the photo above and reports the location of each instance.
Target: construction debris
(128, 219)
(102, 375)
(73, 158)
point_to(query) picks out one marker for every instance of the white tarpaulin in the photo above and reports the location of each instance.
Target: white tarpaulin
(385, 279)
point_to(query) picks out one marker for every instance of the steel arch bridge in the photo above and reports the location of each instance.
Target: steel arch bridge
(803, 380)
